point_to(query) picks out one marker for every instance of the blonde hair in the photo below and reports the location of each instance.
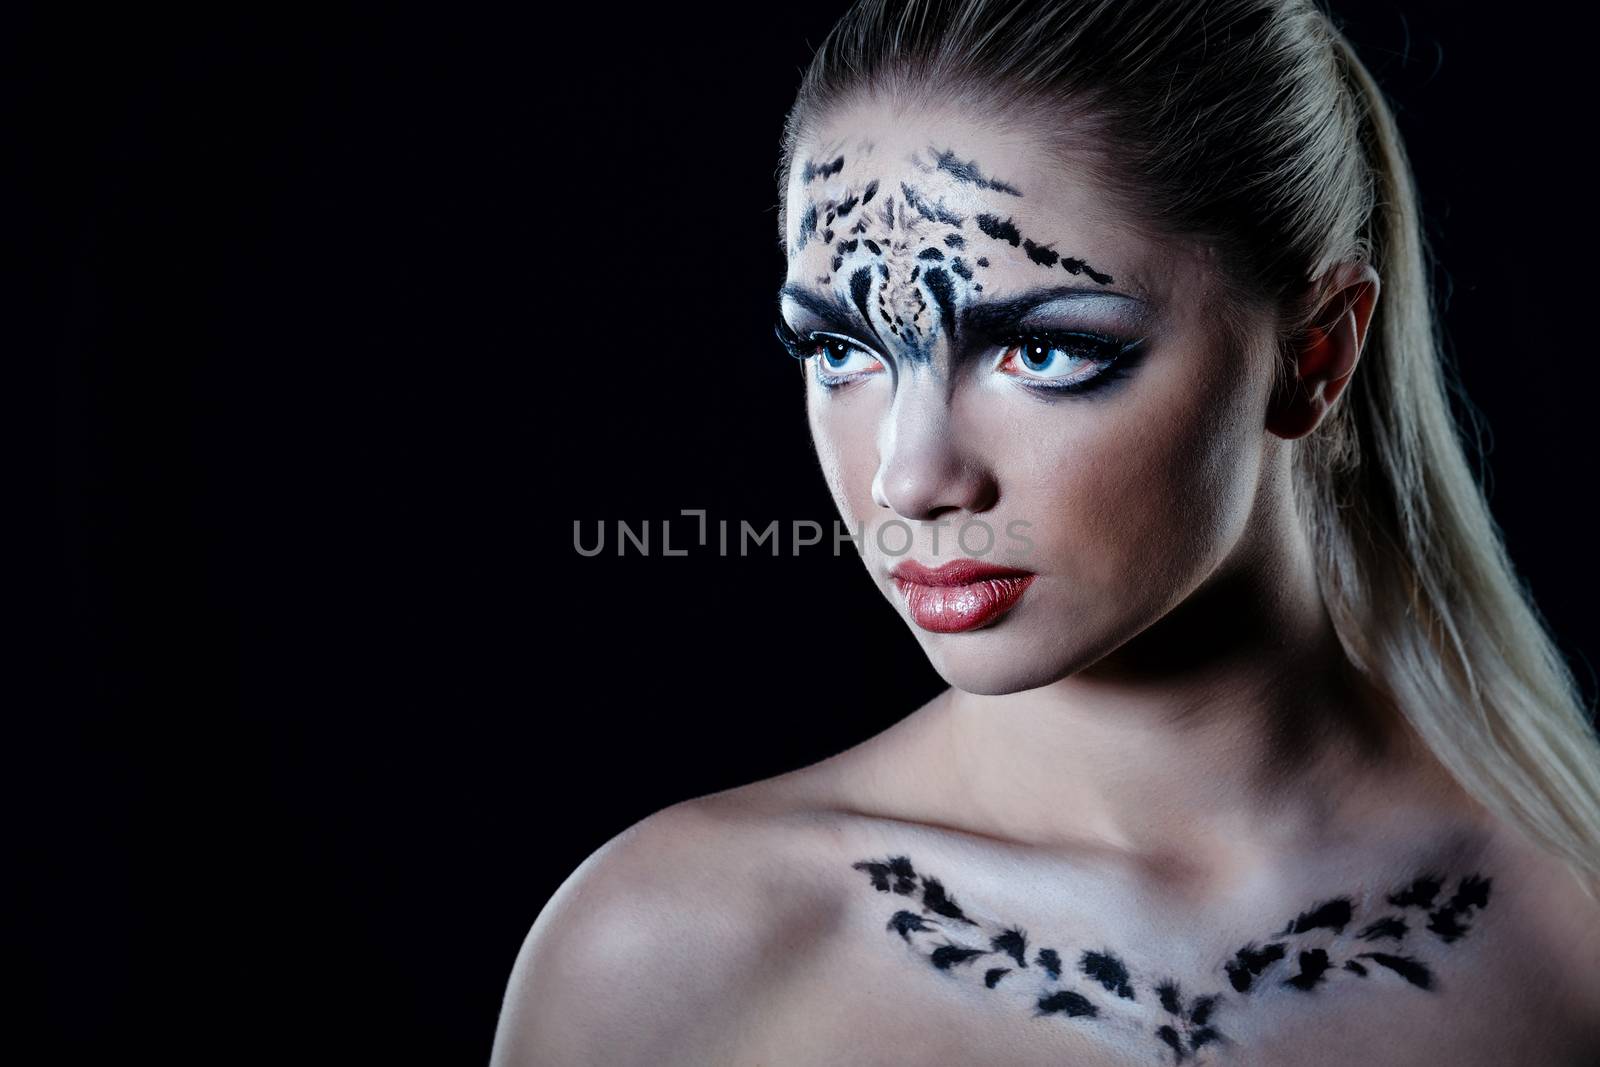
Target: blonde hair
(1253, 124)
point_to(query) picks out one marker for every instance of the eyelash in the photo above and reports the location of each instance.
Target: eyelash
(806, 348)
(1079, 344)
(1105, 350)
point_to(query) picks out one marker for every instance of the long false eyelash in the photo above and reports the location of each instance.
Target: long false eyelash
(790, 340)
(1109, 351)
(805, 348)
(1115, 358)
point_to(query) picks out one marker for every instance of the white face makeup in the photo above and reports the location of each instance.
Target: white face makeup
(986, 342)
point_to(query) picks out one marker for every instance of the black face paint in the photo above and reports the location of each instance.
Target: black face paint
(903, 239)
(1045, 257)
(860, 286)
(967, 171)
(1000, 230)
(808, 224)
(938, 282)
(1185, 1025)
(932, 212)
(1078, 266)
(811, 171)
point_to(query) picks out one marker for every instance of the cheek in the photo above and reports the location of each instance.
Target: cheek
(845, 436)
(1135, 502)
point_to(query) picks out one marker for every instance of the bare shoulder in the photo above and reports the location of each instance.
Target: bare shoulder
(1555, 931)
(657, 947)
(1540, 973)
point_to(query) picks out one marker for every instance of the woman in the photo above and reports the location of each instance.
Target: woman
(1119, 353)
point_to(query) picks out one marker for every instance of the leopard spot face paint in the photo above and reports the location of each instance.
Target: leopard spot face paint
(908, 211)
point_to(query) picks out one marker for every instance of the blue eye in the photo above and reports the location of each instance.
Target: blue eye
(838, 355)
(839, 360)
(1067, 362)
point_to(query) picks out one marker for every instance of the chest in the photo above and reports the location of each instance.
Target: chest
(956, 978)
(864, 1011)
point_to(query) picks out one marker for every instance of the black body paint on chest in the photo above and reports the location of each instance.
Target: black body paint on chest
(1249, 962)
(1190, 1028)
(1072, 1003)
(1109, 971)
(1450, 922)
(1014, 943)
(1312, 963)
(1390, 926)
(1333, 914)
(1184, 1026)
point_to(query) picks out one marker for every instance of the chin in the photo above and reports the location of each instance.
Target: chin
(986, 663)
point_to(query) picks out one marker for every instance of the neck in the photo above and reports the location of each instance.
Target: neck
(1236, 721)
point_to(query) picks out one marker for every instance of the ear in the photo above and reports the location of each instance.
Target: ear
(1325, 354)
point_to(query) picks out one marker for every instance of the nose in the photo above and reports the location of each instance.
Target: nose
(927, 465)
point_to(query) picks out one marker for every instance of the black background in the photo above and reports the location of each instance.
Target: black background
(332, 326)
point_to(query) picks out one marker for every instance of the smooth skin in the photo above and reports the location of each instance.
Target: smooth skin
(1162, 749)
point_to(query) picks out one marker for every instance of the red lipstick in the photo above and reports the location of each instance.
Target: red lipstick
(964, 594)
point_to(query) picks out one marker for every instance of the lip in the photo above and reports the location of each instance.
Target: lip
(963, 594)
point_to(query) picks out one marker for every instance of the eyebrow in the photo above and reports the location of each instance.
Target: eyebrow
(993, 316)
(1006, 314)
(835, 313)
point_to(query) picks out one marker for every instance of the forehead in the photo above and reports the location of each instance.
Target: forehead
(903, 219)
(946, 174)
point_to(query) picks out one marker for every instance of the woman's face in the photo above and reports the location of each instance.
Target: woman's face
(990, 346)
